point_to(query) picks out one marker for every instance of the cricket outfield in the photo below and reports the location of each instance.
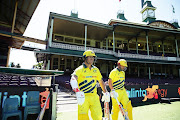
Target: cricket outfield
(67, 110)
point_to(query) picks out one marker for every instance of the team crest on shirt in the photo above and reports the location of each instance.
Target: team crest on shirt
(94, 71)
(84, 71)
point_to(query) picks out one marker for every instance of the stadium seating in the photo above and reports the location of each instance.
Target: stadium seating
(10, 109)
(15, 80)
(32, 104)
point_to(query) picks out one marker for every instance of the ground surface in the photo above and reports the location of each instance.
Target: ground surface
(67, 110)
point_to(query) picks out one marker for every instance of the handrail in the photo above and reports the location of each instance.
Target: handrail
(116, 54)
(41, 114)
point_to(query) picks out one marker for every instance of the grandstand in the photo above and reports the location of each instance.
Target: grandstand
(157, 63)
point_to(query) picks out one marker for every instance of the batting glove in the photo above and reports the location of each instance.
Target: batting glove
(80, 97)
(114, 94)
(105, 97)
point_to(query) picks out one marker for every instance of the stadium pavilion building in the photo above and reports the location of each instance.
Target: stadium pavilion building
(14, 18)
(151, 49)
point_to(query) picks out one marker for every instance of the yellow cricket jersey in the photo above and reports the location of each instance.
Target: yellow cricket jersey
(118, 77)
(87, 78)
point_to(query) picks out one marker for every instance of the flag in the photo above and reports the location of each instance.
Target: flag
(173, 10)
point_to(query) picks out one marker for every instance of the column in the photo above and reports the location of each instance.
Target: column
(147, 43)
(136, 46)
(177, 52)
(51, 32)
(8, 55)
(107, 43)
(113, 42)
(85, 37)
(163, 47)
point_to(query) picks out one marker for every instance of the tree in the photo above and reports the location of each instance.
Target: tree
(38, 66)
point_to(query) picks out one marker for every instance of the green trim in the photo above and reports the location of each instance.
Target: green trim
(66, 52)
(59, 51)
(79, 20)
(29, 72)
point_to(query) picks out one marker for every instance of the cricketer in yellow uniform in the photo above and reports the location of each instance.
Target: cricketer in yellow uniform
(117, 77)
(87, 80)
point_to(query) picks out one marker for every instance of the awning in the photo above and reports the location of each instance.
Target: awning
(66, 52)
(30, 72)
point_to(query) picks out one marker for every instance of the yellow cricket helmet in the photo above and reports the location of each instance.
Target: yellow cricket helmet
(89, 53)
(122, 62)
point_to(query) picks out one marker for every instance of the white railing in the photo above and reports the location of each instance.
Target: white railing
(110, 52)
(82, 48)
(150, 57)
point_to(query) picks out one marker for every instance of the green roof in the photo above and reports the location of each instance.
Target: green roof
(59, 51)
(29, 72)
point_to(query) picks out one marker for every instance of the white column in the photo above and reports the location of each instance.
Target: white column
(136, 46)
(113, 42)
(48, 65)
(107, 43)
(147, 43)
(51, 32)
(85, 37)
(177, 51)
(163, 47)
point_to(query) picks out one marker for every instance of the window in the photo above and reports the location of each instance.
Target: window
(119, 44)
(170, 48)
(87, 42)
(68, 64)
(78, 41)
(97, 44)
(68, 39)
(132, 45)
(58, 38)
(55, 63)
(111, 43)
(104, 43)
(141, 46)
(62, 63)
(160, 48)
(125, 47)
(165, 48)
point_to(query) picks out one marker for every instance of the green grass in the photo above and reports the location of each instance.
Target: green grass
(147, 112)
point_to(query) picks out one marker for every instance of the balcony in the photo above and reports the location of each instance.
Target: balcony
(134, 57)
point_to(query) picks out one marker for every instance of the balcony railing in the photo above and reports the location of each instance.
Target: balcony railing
(150, 57)
(110, 52)
(82, 48)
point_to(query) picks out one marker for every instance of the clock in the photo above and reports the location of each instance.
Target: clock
(151, 13)
(144, 14)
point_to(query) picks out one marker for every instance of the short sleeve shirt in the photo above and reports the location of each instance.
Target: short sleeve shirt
(118, 78)
(87, 78)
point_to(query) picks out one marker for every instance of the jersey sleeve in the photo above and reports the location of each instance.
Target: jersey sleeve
(99, 76)
(77, 72)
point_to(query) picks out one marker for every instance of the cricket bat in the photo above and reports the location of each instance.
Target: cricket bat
(122, 110)
(106, 111)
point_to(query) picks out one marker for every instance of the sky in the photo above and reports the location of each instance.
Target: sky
(95, 10)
